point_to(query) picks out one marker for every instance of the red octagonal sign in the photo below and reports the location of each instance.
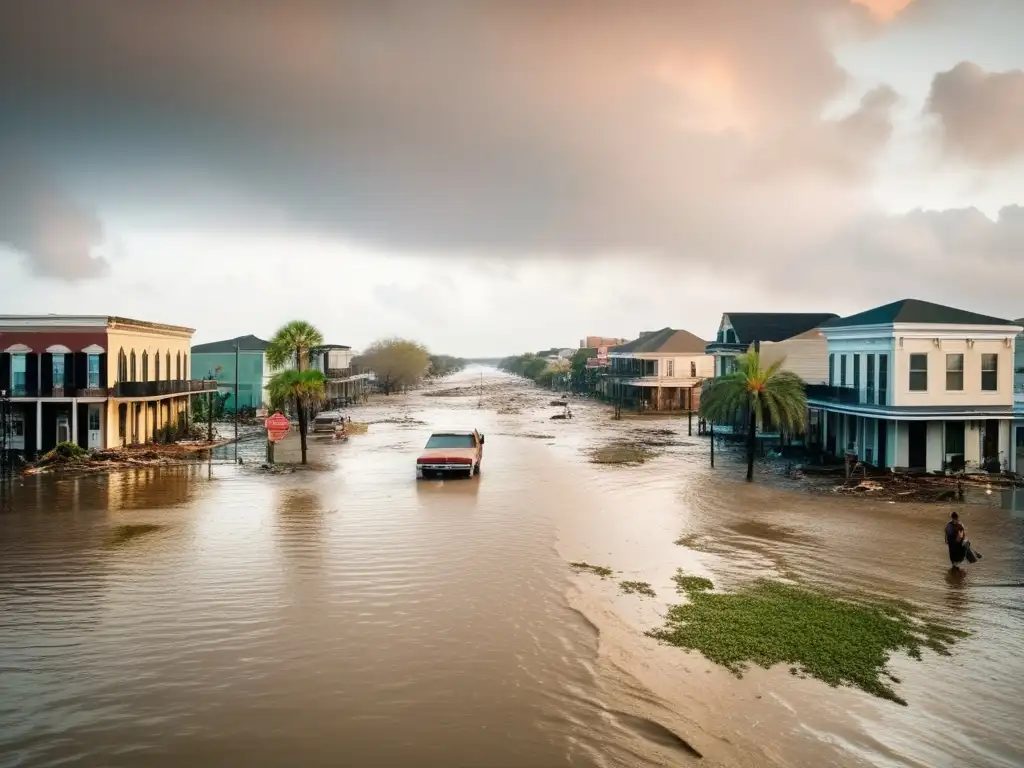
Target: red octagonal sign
(277, 427)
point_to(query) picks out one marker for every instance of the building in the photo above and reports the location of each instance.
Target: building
(96, 381)
(806, 355)
(216, 360)
(593, 342)
(918, 385)
(345, 381)
(660, 371)
(739, 330)
(1018, 401)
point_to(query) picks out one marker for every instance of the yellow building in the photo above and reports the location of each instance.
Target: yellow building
(97, 381)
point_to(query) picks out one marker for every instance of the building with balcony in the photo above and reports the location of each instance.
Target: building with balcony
(96, 381)
(659, 371)
(918, 385)
(1018, 401)
(738, 331)
(345, 380)
(217, 360)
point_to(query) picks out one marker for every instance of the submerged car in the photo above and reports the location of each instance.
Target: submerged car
(329, 423)
(448, 454)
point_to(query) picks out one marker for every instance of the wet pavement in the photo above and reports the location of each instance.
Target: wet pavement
(352, 616)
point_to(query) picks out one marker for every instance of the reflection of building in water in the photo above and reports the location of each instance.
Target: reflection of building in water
(151, 487)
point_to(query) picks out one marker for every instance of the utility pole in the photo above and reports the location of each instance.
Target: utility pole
(711, 425)
(5, 419)
(236, 401)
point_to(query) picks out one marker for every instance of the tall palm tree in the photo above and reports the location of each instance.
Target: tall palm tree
(305, 388)
(756, 392)
(293, 341)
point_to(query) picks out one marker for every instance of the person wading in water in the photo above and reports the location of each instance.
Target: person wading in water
(955, 540)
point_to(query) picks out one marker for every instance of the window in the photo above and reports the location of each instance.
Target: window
(670, 368)
(832, 370)
(989, 372)
(919, 373)
(451, 441)
(122, 366)
(842, 370)
(58, 370)
(883, 378)
(94, 419)
(955, 441)
(94, 372)
(19, 376)
(954, 374)
(871, 379)
(134, 372)
(184, 368)
(156, 367)
(856, 372)
(693, 370)
(177, 368)
(168, 365)
(145, 365)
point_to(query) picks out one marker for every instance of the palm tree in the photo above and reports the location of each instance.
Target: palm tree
(293, 341)
(305, 388)
(756, 392)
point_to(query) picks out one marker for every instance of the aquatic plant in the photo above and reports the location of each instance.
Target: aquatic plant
(836, 640)
(583, 565)
(637, 588)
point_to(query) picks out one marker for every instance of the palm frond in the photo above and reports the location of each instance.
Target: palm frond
(293, 342)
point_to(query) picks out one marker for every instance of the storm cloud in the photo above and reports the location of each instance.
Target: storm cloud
(707, 131)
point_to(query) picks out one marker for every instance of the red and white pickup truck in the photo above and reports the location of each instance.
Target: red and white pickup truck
(452, 453)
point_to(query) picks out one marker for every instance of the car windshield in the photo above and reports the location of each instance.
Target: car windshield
(451, 441)
(326, 419)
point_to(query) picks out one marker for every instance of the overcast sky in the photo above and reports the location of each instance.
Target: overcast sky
(493, 176)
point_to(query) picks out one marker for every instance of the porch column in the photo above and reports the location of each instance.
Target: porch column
(74, 422)
(39, 424)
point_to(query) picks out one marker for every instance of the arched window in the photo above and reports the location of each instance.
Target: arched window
(145, 365)
(168, 365)
(184, 369)
(122, 366)
(177, 368)
(156, 366)
(132, 367)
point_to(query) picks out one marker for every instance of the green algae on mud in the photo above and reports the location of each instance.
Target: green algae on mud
(121, 534)
(637, 588)
(583, 565)
(838, 641)
(626, 454)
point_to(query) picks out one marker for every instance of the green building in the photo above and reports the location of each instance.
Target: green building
(217, 360)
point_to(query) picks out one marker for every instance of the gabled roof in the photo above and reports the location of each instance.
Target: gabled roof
(916, 311)
(775, 326)
(248, 343)
(667, 341)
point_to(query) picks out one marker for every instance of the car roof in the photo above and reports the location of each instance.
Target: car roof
(453, 432)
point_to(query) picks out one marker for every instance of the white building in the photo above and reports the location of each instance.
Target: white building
(918, 385)
(661, 371)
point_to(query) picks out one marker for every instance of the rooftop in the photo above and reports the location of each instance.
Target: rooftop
(86, 321)
(248, 343)
(916, 311)
(667, 341)
(775, 326)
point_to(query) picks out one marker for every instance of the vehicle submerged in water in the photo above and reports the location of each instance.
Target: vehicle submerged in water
(453, 453)
(329, 424)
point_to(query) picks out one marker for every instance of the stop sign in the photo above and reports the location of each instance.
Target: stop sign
(277, 427)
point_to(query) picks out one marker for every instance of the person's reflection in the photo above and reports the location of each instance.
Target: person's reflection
(956, 592)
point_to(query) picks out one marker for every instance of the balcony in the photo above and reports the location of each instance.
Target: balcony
(162, 388)
(823, 393)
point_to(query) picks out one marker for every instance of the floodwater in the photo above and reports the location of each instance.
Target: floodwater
(351, 616)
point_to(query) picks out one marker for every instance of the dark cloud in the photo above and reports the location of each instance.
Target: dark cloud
(56, 234)
(982, 113)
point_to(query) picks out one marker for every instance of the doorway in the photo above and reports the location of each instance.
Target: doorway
(917, 457)
(1020, 451)
(63, 429)
(882, 460)
(990, 446)
(95, 438)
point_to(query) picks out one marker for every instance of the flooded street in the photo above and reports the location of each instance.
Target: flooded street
(351, 616)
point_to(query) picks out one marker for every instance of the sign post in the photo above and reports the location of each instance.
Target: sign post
(277, 427)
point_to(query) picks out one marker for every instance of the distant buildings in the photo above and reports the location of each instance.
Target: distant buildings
(96, 381)
(737, 331)
(216, 360)
(345, 382)
(594, 342)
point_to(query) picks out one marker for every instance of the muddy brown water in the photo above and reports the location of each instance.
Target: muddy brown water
(214, 615)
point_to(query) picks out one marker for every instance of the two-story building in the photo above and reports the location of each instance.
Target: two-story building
(659, 371)
(738, 331)
(96, 381)
(1018, 401)
(918, 385)
(218, 360)
(345, 381)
